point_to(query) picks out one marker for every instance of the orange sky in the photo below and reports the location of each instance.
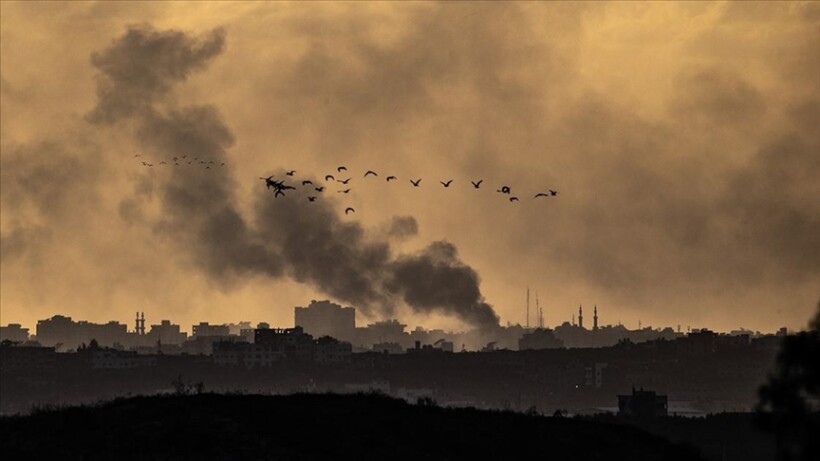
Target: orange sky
(682, 138)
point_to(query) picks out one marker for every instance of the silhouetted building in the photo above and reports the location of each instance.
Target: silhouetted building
(386, 331)
(14, 332)
(388, 348)
(324, 318)
(247, 355)
(70, 334)
(26, 356)
(642, 404)
(107, 358)
(328, 350)
(206, 329)
(293, 342)
(540, 338)
(167, 333)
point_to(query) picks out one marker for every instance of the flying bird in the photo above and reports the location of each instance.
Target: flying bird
(278, 193)
(136, 155)
(370, 172)
(390, 178)
(477, 184)
(345, 181)
(553, 192)
(344, 191)
(162, 163)
(291, 172)
(416, 182)
(349, 209)
(341, 168)
(207, 168)
(306, 182)
(513, 199)
(329, 177)
(541, 194)
(222, 164)
(311, 199)
(319, 189)
(504, 190)
(446, 184)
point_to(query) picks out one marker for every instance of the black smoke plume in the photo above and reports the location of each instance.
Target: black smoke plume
(286, 237)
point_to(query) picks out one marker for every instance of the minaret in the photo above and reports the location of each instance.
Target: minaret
(595, 319)
(580, 316)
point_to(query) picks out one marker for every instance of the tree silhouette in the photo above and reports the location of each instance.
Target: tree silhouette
(789, 403)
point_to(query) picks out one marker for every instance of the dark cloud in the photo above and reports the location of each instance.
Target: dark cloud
(142, 66)
(289, 236)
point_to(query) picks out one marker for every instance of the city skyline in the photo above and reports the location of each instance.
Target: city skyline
(682, 139)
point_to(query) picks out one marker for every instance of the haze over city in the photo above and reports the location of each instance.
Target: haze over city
(682, 139)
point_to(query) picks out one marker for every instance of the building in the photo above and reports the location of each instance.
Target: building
(247, 355)
(388, 348)
(167, 333)
(206, 329)
(331, 351)
(14, 332)
(68, 334)
(642, 404)
(540, 338)
(294, 343)
(113, 359)
(19, 356)
(324, 318)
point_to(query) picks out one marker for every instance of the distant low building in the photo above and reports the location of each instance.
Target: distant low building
(206, 329)
(26, 356)
(114, 359)
(324, 318)
(642, 404)
(167, 333)
(247, 355)
(14, 332)
(331, 351)
(388, 348)
(540, 338)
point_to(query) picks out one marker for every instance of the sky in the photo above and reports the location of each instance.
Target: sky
(682, 138)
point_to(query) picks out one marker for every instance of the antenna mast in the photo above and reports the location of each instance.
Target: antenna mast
(528, 308)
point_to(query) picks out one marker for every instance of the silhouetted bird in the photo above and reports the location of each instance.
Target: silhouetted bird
(553, 192)
(207, 168)
(222, 164)
(162, 163)
(389, 178)
(174, 158)
(348, 210)
(278, 193)
(329, 177)
(541, 194)
(446, 184)
(513, 199)
(136, 155)
(416, 182)
(176, 164)
(370, 172)
(311, 199)
(345, 181)
(341, 168)
(189, 163)
(477, 184)
(344, 191)
(306, 182)
(184, 156)
(291, 172)
(320, 189)
(269, 182)
(504, 190)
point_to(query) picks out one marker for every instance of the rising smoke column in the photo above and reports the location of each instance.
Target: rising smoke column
(287, 237)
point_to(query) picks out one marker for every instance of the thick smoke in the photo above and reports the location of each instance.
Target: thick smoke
(307, 241)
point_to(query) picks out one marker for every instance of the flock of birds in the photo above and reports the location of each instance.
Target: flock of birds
(182, 160)
(279, 187)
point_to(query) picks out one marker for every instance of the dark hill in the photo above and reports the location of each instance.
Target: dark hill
(310, 426)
